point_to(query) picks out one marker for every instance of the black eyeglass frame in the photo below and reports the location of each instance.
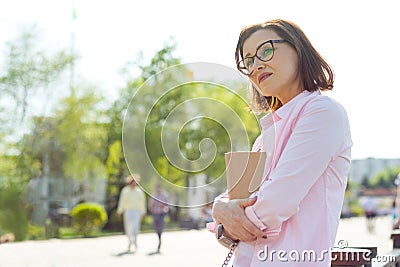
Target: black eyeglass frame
(272, 42)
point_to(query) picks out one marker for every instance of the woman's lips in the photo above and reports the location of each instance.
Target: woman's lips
(263, 76)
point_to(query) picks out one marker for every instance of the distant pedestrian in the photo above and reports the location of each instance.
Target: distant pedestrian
(370, 206)
(394, 212)
(132, 203)
(396, 204)
(158, 207)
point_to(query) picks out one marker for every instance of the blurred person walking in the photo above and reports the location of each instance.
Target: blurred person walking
(132, 204)
(370, 206)
(396, 205)
(158, 207)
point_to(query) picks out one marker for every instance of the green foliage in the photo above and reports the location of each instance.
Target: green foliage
(365, 182)
(81, 135)
(36, 232)
(81, 140)
(29, 70)
(87, 217)
(114, 168)
(386, 178)
(9, 165)
(163, 59)
(191, 135)
(356, 209)
(70, 144)
(13, 211)
(201, 128)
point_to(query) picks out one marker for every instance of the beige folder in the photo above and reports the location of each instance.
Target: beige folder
(244, 172)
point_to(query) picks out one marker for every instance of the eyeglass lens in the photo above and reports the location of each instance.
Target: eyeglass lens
(264, 53)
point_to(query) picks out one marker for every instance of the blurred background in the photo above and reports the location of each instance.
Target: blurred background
(69, 70)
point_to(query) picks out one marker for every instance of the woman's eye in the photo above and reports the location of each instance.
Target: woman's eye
(249, 63)
(267, 52)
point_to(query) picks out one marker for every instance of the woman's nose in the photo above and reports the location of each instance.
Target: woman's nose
(258, 64)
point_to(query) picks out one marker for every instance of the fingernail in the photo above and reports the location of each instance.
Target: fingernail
(264, 236)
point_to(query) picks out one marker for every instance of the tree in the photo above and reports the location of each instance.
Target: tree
(213, 113)
(178, 148)
(365, 182)
(177, 129)
(81, 134)
(386, 178)
(116, 167)
(29, 71)
(13, 210)
(68, 148)
(72, 142)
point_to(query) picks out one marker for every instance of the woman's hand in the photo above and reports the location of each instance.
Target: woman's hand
(236, 224)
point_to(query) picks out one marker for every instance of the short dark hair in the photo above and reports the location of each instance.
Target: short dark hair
(314, 72)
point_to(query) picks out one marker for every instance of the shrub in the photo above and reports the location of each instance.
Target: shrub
(88, 216)
(356, 209)
(13, 211)
(36, 232)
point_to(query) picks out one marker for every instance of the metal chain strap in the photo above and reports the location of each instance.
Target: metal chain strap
(230, 254)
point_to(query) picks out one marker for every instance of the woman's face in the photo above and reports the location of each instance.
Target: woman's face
(277, 77)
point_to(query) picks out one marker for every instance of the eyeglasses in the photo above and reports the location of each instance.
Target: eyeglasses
(264, 52)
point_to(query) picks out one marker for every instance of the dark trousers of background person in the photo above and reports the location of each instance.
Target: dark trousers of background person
(159, 224)
(370, 216)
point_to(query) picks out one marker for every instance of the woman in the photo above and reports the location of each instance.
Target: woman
(293, 218)
(132, 203)
(158, 206)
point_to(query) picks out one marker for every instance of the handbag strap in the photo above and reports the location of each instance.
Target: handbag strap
(230, 254)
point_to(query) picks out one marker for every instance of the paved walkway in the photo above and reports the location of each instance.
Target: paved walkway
(182, 248)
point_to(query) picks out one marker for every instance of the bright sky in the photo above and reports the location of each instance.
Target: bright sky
(359, 38)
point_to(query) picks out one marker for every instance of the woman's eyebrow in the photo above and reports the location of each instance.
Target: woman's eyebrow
(258, 46)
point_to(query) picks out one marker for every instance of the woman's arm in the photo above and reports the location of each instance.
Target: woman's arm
(231, 213)
(318, 137)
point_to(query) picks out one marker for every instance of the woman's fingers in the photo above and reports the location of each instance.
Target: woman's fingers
(251, 228)
(244, 203)
(220, 211)
(232, 216)
(241, 234)
(240, 226)
(247, 224)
